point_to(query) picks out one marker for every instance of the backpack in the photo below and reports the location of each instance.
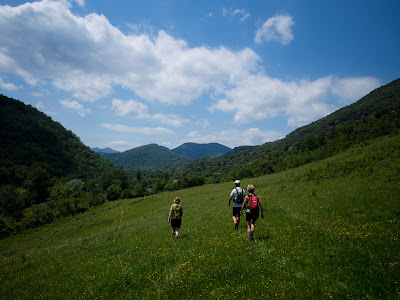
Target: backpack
(240, 196)
(176, 213)
(253, 203)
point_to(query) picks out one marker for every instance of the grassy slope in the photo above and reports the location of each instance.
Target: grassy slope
(331, 230)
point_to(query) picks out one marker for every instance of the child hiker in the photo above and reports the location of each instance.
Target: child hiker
(175, 217)
(252, 212)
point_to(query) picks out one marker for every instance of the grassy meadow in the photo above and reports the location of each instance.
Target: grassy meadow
(331, 230)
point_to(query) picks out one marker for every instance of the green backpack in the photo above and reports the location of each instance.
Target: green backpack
(177, 212)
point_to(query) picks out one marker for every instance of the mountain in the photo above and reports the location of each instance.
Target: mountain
(104, 150)
(149, 158)
(194, 151)
(374, 115)
(45, 170)
(380, 98)
(29, 138)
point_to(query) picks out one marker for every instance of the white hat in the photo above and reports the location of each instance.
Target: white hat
(237, 182)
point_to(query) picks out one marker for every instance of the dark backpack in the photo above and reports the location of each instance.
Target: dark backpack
(253, 203)
(240, 195)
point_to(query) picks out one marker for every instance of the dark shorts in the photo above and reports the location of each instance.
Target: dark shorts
(252, 216)
(236, 211)
(176, 223)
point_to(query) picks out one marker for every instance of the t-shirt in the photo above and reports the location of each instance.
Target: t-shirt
(177, 210)
(235, 193)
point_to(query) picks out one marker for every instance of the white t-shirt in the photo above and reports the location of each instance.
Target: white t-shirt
(235, 193)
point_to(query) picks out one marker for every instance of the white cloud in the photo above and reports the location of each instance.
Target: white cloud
(40, 105)
(193, 134)
(277, 28)
(130, 107)
(139, 110)
(121, 145)
(7, 86)
(352, 89)
(142, 130)
(251, 136)
(88, 57)
(236, 12)
(261, 97)
(80, 2)
(75, 106)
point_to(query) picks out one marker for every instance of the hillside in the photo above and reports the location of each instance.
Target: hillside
(194, 150)
(149, 157)
(331, 230)
(45, 170)
(30, 138)
(376, 114)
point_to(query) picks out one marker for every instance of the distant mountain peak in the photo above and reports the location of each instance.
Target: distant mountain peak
(195, 151)
(104, 150)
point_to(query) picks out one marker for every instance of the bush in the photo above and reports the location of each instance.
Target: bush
(113, 192)
(7, 227)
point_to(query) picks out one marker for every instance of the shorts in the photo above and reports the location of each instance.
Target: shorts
(176, 223)
(236, 211)
(252, 216)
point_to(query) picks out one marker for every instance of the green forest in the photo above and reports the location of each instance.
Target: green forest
(46, 172)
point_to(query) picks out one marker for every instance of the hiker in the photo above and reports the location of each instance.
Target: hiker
(237, 195)
(175, 217)
(252, 211)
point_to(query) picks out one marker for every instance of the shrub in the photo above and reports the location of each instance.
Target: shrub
(113, 192)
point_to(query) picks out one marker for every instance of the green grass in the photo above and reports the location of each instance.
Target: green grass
(331, 230)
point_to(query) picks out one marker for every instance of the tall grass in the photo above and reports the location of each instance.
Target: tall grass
(331, 230)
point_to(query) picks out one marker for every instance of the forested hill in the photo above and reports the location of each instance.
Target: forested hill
(194, 150)
(46, 168)
(380, 98)
(376, 114)
(30, 138)
(150, 157)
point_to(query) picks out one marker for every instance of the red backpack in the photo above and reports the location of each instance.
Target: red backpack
(253, 202)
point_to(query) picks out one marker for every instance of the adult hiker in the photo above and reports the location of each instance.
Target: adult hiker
(175, 217)
(237, 195)
(252, 201)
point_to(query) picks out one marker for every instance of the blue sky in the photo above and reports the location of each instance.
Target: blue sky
(122, 74)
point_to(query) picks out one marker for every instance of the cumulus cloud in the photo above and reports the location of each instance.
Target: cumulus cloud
(261, 96)
(87, 56)
(277, 28)
(139, 110)
(75, 106)
(142, 130)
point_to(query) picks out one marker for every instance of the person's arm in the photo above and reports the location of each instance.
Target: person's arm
(169, 216)
(229, 202)
(262, 210)
(246, 198)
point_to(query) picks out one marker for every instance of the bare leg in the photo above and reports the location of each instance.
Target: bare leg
(250, 230)
(236, 220)
(177, 233)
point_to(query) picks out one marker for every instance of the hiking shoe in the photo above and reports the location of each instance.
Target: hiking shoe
(236, 226)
